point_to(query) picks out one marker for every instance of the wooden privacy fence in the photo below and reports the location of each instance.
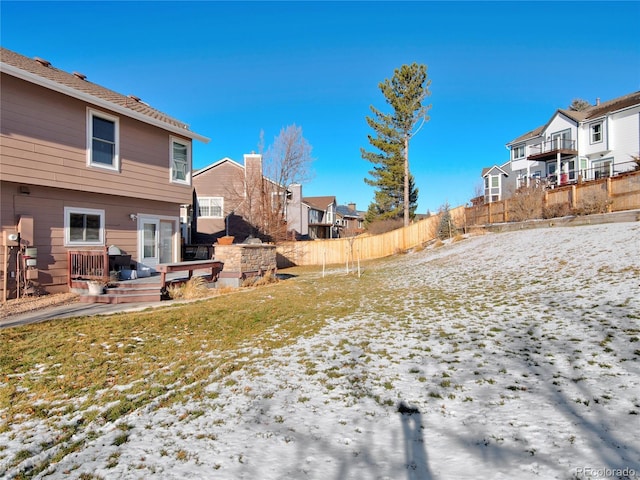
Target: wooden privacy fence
(622, 192)
(363, 247)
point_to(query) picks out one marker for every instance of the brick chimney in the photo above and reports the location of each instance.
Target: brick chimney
(252, 168)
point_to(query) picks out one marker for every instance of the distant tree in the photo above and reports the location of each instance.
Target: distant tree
(578, 104)
(446, 228)
(389, 199)
(405, 93)
(256, 198)
(287, 161)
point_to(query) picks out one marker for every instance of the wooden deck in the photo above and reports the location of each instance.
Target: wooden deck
(214, 266)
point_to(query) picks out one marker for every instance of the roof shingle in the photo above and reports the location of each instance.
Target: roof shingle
(78, 82)
(589, 113)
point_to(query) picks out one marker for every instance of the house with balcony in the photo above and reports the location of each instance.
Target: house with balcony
(573, 146)
(83, 168)
(321, 214)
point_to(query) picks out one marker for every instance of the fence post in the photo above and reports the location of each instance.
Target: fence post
(609, 195)
(506, 210)
(545, 199)
(69, 259)
(105, 264)
(574, 197)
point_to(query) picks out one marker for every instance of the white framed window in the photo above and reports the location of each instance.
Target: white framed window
(180, 161)
(103, 140)
(517, 152)
(596, 132)
(83, 226)
(210, 207)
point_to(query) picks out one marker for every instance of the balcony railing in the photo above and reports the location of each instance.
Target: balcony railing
(88, 264)
(598, 172)
(554, 145)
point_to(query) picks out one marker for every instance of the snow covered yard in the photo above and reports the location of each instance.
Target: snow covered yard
(502, 356)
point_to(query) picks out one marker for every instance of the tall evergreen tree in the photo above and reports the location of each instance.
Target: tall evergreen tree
(405, 92)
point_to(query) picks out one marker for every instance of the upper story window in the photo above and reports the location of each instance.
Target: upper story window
(103, 138)
(211, 207)
(517, 152)
(596, 133)
(83, 226)
(180, 161)
(330, 214)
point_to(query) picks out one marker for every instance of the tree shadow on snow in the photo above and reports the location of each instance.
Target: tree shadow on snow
(414, 451)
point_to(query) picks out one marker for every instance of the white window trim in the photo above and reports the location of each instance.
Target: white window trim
(116, 161)
(591, 132)
(67, 231)
(516, 148)
(200, 199)
(181, 141)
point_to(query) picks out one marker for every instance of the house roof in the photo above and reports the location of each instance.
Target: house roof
(533, 133)
(319, 203)
(43, 73)
(486, 171)
(215, 164)
(611, 106)
(345, 211)
(589, 113)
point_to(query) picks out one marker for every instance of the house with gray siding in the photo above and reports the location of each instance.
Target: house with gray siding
(598, 141)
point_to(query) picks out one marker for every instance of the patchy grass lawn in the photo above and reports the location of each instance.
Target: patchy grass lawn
(521, 365)
(95, 370)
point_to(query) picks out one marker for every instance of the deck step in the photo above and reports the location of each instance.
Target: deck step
(133, 290)
(114, 298)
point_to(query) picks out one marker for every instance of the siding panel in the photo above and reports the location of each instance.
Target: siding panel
(46, 206)
(44, 133)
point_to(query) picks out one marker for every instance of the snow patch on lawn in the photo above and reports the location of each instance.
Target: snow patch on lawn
(502, 356)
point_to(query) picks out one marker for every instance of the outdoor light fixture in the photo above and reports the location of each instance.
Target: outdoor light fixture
(133, 216)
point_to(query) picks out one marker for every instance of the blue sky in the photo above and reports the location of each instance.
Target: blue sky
(233, 69)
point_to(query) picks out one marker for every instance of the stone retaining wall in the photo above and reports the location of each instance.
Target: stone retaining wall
(244, 260)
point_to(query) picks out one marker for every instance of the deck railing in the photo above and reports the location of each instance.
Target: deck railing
(88, 264)
(603, 170)
(552, 145)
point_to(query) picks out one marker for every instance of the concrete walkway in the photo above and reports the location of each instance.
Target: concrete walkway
(78, 309)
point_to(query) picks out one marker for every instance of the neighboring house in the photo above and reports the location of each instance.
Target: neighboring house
(297, 213)
(238, 200)
(498, 182)
(321, 212)
(573, 146)
(83, 167)
(349, 221)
